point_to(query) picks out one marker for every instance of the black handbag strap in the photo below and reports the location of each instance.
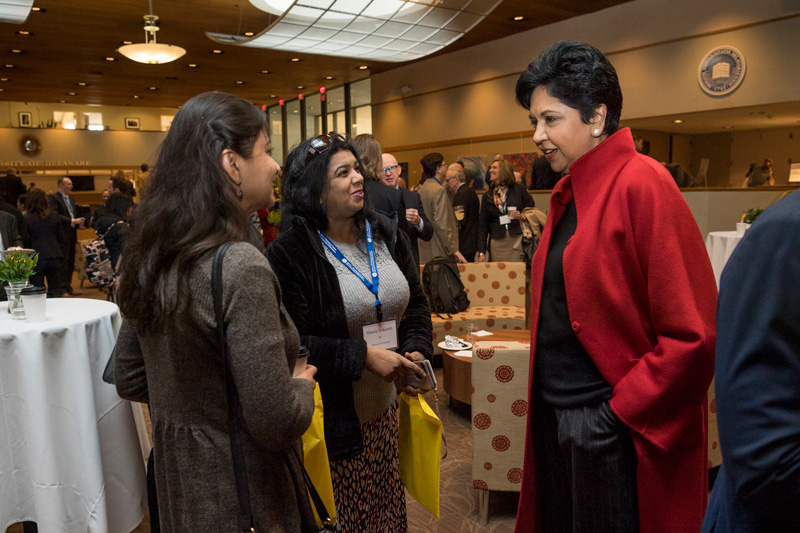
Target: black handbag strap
(234, 422)
(319, 505)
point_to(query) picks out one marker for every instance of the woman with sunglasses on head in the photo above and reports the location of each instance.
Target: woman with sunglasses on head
(214, 168)
(622, 320)
(344, 269)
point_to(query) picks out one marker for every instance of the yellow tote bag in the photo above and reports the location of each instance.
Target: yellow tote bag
(420, 449)
(315, 457)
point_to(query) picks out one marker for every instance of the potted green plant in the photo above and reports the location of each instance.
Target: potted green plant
(747, 218)
(15, 268)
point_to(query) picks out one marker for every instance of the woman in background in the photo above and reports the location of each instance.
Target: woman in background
(214, 168)
(113, 225)
(499, 230)
(344, 268)
(622, 320)
(47, 237)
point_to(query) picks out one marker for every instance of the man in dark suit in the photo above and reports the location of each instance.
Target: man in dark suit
(9, 237)
(13, 187)
(64, 207)
(467, 207)
(419, 227)
(757, 379)
(22, 226)
(386, 200)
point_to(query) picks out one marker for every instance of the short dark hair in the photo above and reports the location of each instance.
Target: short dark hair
(118, 204)
(431, 163)
(580, 76)
(305, 182)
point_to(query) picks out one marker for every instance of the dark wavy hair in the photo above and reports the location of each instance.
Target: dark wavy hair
(119, 204)
(189, 208)
(304, 183)
(580, 76)
(36, 203)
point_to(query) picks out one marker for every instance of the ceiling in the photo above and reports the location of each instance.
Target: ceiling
(69, 42)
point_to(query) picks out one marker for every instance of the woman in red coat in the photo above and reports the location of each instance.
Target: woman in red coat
(622, 318)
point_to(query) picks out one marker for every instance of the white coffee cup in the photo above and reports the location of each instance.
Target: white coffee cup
(34, 301)
(512, 208)
(302, 361)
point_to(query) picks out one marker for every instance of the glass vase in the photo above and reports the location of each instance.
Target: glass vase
(13, 291)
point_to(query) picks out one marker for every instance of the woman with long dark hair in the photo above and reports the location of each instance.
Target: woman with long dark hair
(47, 237)
(622, 319)
(213, 169)
(347, 271)
(499, 230)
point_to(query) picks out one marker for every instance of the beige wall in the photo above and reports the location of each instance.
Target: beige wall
(113, 116)
(459, 99)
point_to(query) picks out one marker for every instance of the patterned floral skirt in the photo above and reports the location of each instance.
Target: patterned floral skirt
(368, 491)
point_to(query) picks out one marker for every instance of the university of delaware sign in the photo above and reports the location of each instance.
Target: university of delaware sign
(35, 163)
(721, 71)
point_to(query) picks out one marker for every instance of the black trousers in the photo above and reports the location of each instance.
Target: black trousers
(50, 269)
(68, 264)
(586, 470)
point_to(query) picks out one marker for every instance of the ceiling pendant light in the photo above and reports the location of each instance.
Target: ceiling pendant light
(151, 52)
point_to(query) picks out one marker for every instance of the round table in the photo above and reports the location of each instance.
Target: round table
(720, 246)
(70, 456)
(457, 369)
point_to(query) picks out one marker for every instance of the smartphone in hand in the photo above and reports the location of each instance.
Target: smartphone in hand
(411, 379)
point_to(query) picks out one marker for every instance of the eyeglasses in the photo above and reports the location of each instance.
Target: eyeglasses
(443, 164)
(390, 169)
(321, 143)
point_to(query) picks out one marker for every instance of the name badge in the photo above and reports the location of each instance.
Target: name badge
(381, 335)
(505, 219)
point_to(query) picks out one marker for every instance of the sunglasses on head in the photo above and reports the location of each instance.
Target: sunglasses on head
(321, 143)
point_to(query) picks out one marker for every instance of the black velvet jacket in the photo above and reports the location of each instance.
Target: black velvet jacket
(311, 294)
(490, 214)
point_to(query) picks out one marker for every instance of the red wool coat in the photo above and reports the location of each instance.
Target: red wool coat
(642, 301)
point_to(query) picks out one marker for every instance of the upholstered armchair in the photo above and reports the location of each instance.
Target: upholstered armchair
(499, 417)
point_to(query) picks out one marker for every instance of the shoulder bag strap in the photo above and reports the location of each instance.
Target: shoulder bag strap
(234, 422)
(316, 499)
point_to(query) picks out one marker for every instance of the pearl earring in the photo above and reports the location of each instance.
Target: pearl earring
(596, 132)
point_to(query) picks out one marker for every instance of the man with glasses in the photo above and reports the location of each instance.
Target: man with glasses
(419, 227)
(440, 211)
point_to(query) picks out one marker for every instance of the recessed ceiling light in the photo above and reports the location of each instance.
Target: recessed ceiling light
(264, 72)
(153, 88)
(111, 59)
(363, 67)
(217, 52)
(329, 78)
(136, 96)
(273, 96)
(15, 51)
(301, 87)
(239, 82)
(127, 42)
(9, 66)
(192, 65)
(295, 60)
(2, 90)
(82, 83)
(23, 32)
(3, 79)
(62, 101)
(71, 93)
(678, 121)
(248, 34)
(38, 9)
(519, 18)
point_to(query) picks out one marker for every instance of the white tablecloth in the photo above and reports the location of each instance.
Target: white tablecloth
(720, 246)
(70, 457)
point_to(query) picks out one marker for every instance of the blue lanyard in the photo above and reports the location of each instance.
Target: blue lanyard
(373, 266)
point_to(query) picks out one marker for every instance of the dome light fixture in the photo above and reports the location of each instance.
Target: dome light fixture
(151, 52)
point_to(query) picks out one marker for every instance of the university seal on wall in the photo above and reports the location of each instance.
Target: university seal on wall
(721, 71)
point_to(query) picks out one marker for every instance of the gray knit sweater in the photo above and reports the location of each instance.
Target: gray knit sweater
(180, 374)
(371, 395)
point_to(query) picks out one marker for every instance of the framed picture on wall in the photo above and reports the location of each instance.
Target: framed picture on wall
(25, 120)
(131, 123)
